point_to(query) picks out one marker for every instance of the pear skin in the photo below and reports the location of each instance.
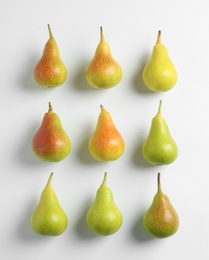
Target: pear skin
(49, 218)
(161, 219)
(103, 71)
(50, 71)
(159, 147)
(104, 218)
(160, 74)
(106, 143)
(51, 142)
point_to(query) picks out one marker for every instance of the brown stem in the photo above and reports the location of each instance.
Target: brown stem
(158, 37)
(158, 183)
(50, 107)
(101, 34)
(50, 32)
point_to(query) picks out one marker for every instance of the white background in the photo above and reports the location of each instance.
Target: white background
(130, 27)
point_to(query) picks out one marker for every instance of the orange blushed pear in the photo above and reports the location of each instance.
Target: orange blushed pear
(103, 71)
(106, 143)
(50, 71)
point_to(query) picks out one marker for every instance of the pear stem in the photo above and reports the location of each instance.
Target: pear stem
(160, 107)
(102, 108)
(101, 34)
(104, 180)
(158, 37)
(50, 179)
(50, 107)
(159, 189)
(50, 32)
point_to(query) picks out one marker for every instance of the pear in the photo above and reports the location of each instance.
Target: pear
(51, 142)
(103, 71)
(50, 71)
(48, 218)
(159, 74)
(161, 219)
(104, 218)
(106, 143)
(159, 147)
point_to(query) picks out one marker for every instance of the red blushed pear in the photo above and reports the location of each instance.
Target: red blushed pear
(106, 143)
(51, 142)
(103, 71)
(161, 219)
(50, 71)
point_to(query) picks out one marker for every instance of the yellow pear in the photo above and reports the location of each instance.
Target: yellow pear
(159, 74)
(106, 143)
(50, 71)
(161, 219)
(104, 218)
(159, 146)
(51, 142)
(49, 218)
(103, 71)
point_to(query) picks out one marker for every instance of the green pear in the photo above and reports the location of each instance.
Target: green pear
(161, 219)
(104, 218)
(50, 71)
(49, 218)
(51, 142)
(103, 71)
(106, 143)
(160, 74)
(159, 147)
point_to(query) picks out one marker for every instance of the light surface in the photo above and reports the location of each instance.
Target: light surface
(130, 27)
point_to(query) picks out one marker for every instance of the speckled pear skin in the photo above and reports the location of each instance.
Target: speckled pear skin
(106, 143)
(49, 218)
(103, 71)
(104, 218)
(50, 71)
(160, 74)
(51, 142)
(161, 219)
(159, 147)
